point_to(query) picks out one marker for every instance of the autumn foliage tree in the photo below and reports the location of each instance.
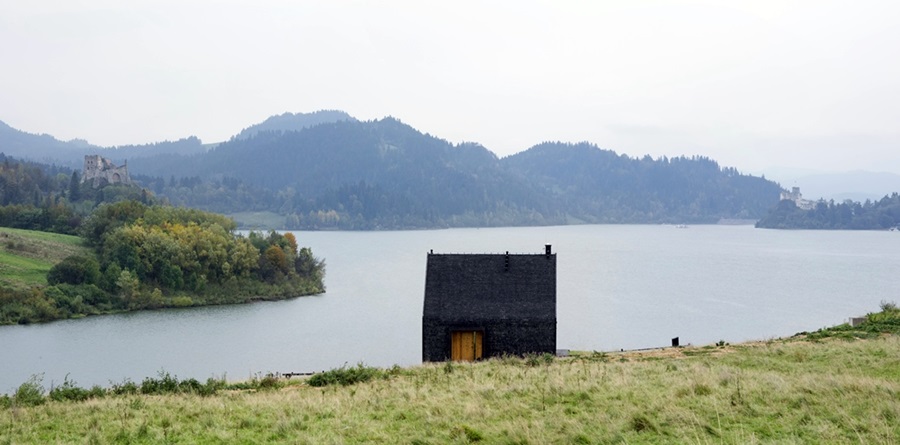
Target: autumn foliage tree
(180, 249)
(153, 257)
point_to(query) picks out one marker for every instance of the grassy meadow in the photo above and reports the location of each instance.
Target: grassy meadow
(26, 255)
(831, 389)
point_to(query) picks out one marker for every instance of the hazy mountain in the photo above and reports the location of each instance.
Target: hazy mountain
(47, 149)
(42, 148)
(384, 173)
(601, 186)
(381, 173)
(186, 146)
(295, 122)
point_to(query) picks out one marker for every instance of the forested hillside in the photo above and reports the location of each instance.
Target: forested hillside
(35, 196)
(327, 170)
(600, 186)
(32, 196)
(386, 174)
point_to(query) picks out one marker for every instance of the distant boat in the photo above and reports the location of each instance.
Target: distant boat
(681, 226)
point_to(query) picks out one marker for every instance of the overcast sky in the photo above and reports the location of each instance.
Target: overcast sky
(756, 85)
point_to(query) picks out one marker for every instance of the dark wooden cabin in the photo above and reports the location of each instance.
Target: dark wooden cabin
(484, 305)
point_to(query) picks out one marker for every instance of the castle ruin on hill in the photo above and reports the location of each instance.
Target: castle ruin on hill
(797, 197)
(101, 171)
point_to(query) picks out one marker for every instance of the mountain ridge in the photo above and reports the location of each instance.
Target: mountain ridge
(294, 122)
(351, 174)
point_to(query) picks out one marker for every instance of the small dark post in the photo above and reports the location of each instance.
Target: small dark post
(506, 262)
(547, 250)
(675, 342)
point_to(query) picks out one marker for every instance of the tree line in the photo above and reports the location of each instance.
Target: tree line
(883, 214)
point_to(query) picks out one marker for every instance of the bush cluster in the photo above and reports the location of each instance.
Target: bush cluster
(33, 393)
(169, 384)
(70, 391)
(346, 376)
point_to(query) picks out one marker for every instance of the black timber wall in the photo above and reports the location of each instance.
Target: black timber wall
(511, 298)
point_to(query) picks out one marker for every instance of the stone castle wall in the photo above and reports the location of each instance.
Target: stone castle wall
(101, 171)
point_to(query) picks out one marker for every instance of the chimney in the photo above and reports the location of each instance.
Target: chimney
(547, 250)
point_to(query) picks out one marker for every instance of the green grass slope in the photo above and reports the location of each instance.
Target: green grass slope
(26, 256)
(824, 388)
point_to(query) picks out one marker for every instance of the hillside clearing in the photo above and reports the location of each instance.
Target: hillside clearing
(26, 255)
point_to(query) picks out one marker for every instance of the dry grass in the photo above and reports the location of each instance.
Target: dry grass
(771, 392)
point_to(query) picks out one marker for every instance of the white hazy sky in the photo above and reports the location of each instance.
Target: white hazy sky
(753, 84)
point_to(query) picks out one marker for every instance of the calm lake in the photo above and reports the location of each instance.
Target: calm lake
(618, 286)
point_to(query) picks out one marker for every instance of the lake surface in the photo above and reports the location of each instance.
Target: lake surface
(618, 286)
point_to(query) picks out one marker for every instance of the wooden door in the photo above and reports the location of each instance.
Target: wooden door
(466, 345)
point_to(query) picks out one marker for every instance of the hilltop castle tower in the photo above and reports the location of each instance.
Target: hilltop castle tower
(101, 171)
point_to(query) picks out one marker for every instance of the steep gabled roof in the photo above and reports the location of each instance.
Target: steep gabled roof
(482, 287)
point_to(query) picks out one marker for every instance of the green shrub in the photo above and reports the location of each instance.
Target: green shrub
(211, 387)
(30, 393)
(75, 269)
(127, 387)
(96, 392)
(169, 384)
(165, 384)
(69, 391)
(345, 376)
(192, 386)
(260, 384)
(269, 382)
(182, 301)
